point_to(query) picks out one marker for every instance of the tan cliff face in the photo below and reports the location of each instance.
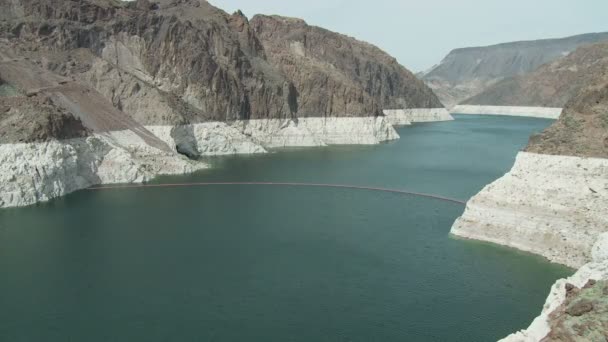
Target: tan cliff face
(185, 61)
(553, 84)
(467, 72)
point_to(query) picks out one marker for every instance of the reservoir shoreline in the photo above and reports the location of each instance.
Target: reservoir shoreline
(37, 172)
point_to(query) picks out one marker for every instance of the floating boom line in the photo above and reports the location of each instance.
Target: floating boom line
(290, 184)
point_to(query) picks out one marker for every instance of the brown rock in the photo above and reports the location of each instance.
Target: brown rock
(582, 128)
(218, 67)
(354, 78)
(579, 308)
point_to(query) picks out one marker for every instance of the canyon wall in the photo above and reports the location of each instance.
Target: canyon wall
(150, 86)
(553, 203)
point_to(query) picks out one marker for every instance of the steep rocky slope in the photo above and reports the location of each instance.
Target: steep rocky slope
(104, 91)
(582, 130)
(355, 76)
(36, 120)
(467, 72)
(201, 64)
(553, 203)
(552, 84)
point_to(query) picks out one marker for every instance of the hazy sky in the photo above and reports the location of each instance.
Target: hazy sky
(419, 33)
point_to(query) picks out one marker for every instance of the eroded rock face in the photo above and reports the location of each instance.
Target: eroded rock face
(200, 64)
(188, 50)
(356, 77)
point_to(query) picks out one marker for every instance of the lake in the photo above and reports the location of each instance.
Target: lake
(280, 263)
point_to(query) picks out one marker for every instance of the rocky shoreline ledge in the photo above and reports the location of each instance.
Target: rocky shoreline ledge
(40, 171)
(98, 92)
(553, 206)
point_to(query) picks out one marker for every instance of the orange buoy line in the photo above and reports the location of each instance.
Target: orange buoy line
(318, 185)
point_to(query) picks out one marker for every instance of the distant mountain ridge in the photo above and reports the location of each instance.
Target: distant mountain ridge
(466, 72)
(551, 85)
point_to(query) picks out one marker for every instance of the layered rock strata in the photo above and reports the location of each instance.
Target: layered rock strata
(554, 206)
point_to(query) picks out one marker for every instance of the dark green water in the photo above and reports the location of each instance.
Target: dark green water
(280, 264)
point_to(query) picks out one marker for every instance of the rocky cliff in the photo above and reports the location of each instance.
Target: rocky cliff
(467, 72)
(104, 91)
(356, 77)
(552, 84)
(199, 64)
(553, 203)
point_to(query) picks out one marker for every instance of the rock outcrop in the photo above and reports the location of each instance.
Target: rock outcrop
(577, 307)
(467, 72)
